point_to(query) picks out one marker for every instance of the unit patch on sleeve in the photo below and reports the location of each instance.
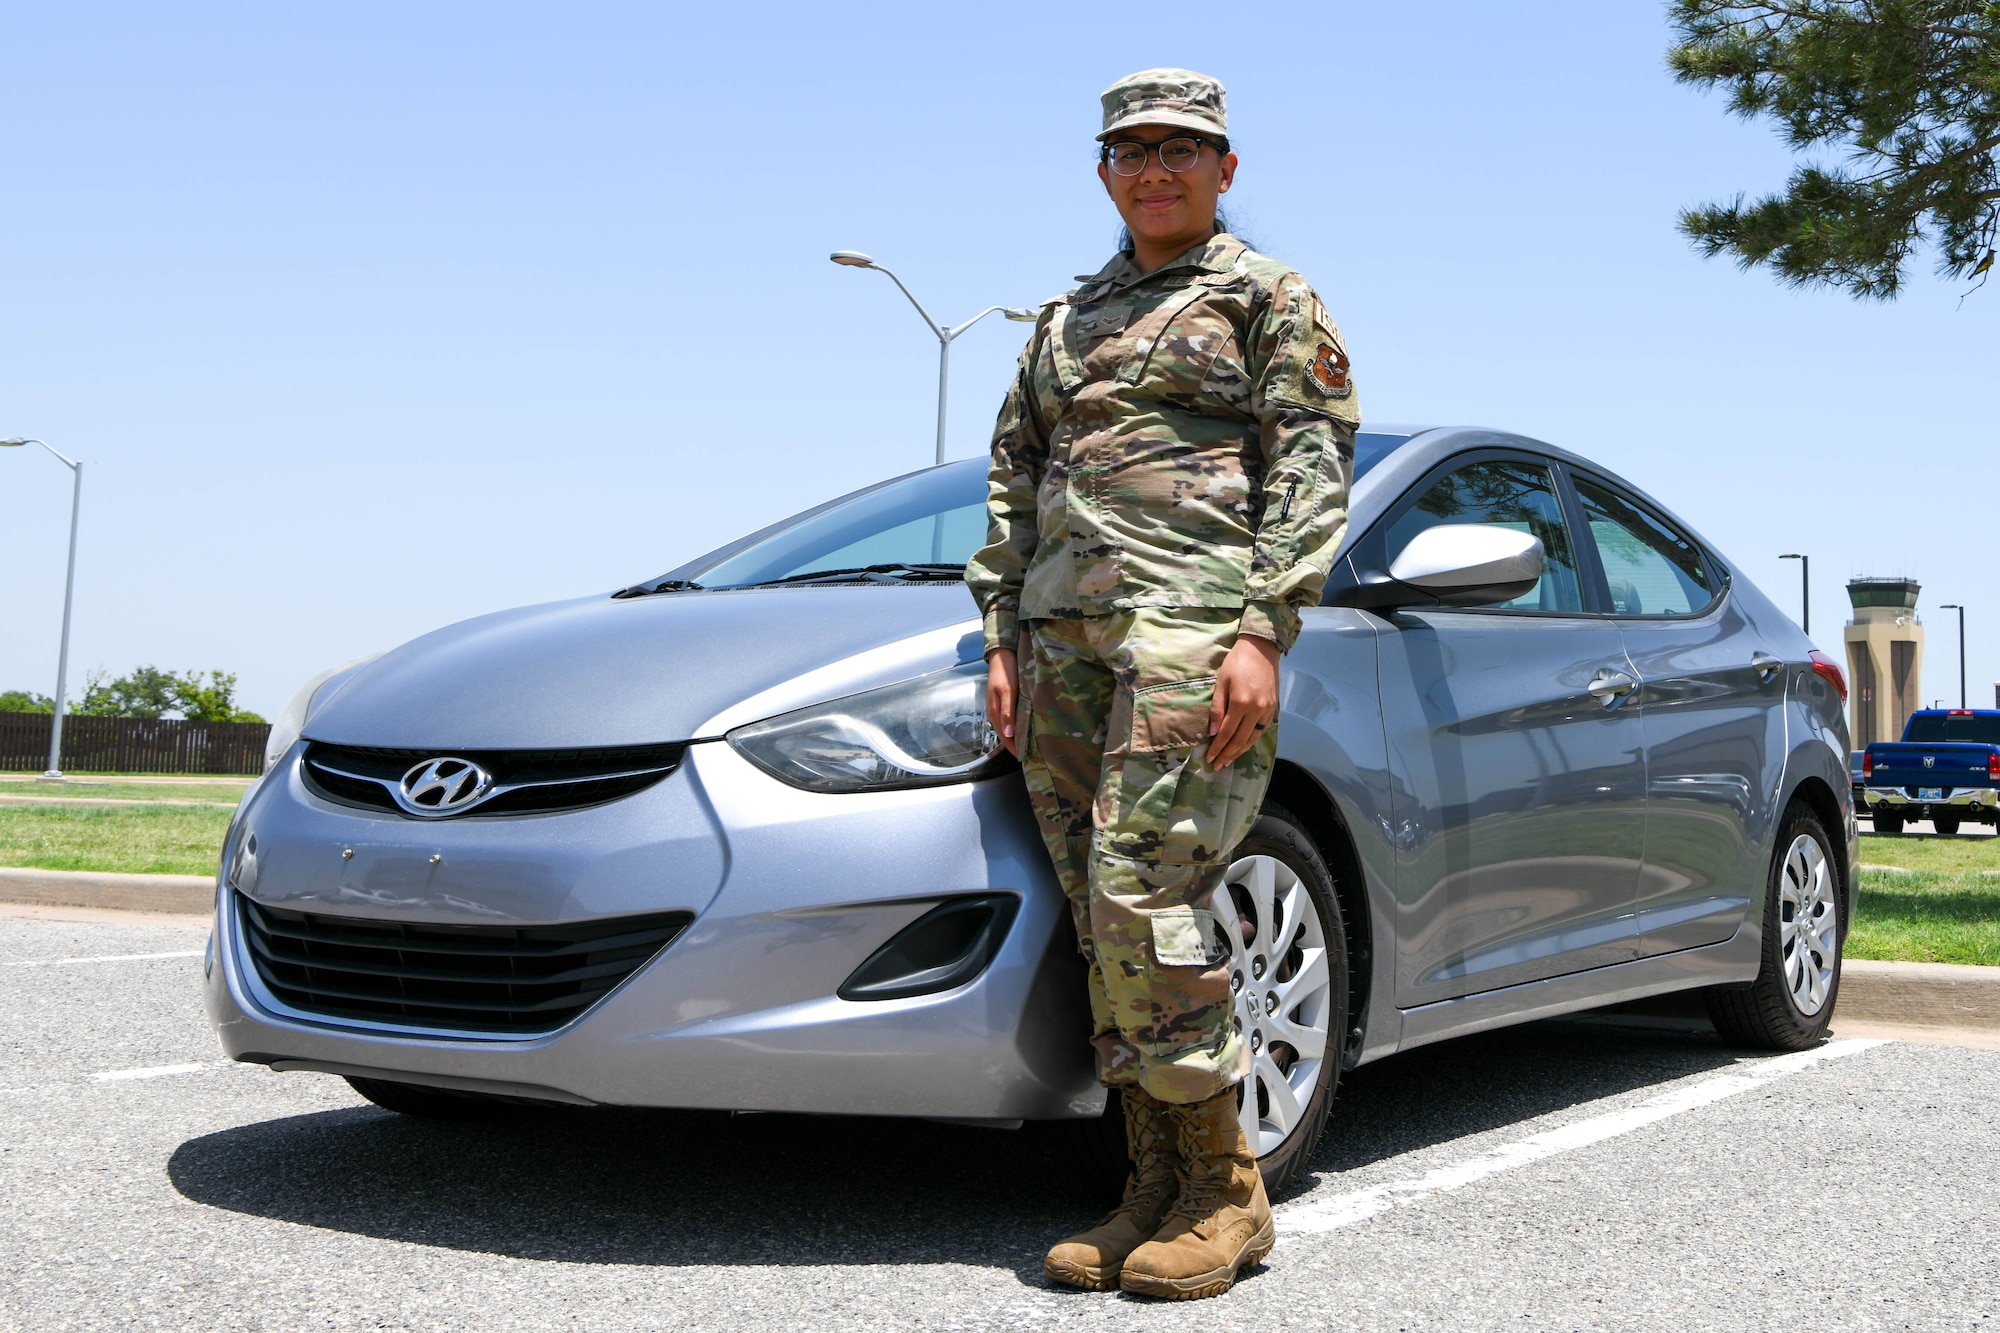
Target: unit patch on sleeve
(1328, 372)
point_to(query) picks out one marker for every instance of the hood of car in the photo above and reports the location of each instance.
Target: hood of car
(670, 667)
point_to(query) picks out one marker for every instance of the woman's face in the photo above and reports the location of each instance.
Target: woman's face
(1168, 210)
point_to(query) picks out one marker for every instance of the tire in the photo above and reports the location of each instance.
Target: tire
(1788, 1008)
(1288, 1124)
(436, 1103)
(1888, 823)
(1944, 825)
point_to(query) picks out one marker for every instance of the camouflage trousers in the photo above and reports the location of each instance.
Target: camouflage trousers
(1114, 729)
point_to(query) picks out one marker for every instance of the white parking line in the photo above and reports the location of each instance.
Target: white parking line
(1345, 1210)
(108, 958)
(122, 1075)
(157, 1071)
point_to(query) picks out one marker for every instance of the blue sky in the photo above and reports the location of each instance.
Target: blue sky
(367, 318)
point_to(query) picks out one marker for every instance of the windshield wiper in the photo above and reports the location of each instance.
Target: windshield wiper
(895, 572)
(664, 585)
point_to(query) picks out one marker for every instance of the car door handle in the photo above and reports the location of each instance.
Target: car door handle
(1611, 686)
(1766, 666)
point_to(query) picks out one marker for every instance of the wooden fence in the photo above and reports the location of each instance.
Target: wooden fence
(133, 745)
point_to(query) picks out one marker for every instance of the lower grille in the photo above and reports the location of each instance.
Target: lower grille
(516, 979)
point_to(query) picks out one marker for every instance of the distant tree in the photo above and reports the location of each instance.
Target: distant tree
(26, 701)
(146, 692)
(212, 699)
(150, 692)
(1907, 91)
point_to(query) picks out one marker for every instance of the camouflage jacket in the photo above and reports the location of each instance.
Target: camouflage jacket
(1176, 438)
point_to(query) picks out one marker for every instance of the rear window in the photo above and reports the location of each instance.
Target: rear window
(1943, 728)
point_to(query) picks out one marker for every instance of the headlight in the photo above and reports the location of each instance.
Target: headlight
(917, 733)
(292, 719)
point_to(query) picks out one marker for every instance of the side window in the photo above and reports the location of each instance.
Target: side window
(1508, 494)
(1651, 567)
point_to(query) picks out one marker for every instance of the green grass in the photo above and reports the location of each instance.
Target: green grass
(1940, 903)
(222, 791)
(164, 840)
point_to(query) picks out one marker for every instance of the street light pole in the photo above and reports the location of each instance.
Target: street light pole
(54, 773)
(855, 259)
(1954, 606)
(1805, 590)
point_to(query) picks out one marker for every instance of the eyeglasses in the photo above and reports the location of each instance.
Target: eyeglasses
(1127, 157)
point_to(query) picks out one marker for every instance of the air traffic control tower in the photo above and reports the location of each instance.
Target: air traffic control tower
(1885, 658)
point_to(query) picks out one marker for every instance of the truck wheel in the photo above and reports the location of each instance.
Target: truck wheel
(1946, 825)
(1790, 1004)
(1888, 823)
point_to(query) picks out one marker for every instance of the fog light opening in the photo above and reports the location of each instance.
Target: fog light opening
(944, 948)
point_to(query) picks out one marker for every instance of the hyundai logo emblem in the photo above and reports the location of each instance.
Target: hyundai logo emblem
(444, 786)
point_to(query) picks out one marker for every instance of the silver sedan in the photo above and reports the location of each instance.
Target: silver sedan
(738, 837)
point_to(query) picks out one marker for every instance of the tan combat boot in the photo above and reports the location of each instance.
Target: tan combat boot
(1222, 1222)
(1092, 1260)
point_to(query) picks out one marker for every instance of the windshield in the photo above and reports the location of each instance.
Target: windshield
(1935, 728)
(1370, 449)
(934, 517)
(931, 518)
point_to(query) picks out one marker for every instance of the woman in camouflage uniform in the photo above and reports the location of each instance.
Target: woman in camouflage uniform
(1169, 484)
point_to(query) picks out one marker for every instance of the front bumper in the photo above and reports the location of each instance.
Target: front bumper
(791, 891)
(1965, 799)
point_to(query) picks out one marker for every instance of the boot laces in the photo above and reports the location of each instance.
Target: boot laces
(1202, 1192)
(1146, 1190)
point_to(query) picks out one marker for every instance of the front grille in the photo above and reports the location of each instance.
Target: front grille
(514, 979)
(524, 781)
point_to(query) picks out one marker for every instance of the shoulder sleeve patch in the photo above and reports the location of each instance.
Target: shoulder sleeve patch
(1326, 373)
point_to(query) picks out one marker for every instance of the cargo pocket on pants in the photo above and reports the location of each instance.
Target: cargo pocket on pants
(1171, 716)
(1185, 937)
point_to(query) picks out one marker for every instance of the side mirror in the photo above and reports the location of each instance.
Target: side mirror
(1463, 564)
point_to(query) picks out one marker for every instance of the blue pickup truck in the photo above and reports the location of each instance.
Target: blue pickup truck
(1945, 769)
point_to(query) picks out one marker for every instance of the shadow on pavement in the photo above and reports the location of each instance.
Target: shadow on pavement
(674, 1188)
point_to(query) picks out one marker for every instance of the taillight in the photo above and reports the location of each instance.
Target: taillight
(1868, 765)
(1993, 766)
(1823, 667)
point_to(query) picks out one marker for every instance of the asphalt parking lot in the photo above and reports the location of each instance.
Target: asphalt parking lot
(1564, 1175)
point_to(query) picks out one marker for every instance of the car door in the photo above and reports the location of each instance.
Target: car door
(1519, 788)
(1710, 702)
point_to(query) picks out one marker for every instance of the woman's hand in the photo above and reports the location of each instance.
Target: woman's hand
(1003, 692)
(1246, 699)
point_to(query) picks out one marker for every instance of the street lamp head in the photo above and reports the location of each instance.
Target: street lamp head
(14, 444)
(1950, 606)
(852, 259)
(1020, 314)
(1793, 556)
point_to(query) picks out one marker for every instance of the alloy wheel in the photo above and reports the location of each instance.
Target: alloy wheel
(1808, 924)
(1283, 984)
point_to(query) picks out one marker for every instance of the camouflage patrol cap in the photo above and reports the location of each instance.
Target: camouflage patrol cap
(1177, 97)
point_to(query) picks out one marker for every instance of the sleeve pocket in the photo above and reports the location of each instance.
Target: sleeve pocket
(1185, 937)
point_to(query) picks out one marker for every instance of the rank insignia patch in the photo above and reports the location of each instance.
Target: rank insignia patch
(1328, 372)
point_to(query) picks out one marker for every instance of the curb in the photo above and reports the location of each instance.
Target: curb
(179, 894)
(1922, 994)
